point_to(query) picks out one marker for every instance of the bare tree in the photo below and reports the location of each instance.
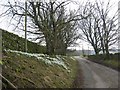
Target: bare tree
(99, 29)
(108, 26)
(50, 21)
(89, 27)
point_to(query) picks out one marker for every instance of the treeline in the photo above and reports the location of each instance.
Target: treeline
(14, 42)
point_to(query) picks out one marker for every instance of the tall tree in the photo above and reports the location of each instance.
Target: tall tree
(50, 21)
(108, 26)
(89, 27)
(99, 28)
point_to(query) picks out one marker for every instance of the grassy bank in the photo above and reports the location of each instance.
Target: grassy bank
(14, 42)
(112, 62)
(26, 70)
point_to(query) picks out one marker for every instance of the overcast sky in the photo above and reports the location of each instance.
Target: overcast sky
(5, 25)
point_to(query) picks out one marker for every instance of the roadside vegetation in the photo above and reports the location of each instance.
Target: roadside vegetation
(34, 69)
(14, 42)
(27, 70)
(112, 62)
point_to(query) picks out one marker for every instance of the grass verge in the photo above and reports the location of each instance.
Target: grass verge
(29, 72)
(113, 61)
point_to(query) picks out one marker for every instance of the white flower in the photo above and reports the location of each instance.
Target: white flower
(43, 57)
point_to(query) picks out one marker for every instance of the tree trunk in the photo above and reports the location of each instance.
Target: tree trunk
(49, 46)
(103, 48)
(107, 51)
(96, 50)
(64, 49)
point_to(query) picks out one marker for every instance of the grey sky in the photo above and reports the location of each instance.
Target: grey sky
(4, 21)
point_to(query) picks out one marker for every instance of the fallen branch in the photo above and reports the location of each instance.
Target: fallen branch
(6, 80)
(25, 79)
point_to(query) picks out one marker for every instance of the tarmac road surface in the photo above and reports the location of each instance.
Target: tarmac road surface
(97, 76)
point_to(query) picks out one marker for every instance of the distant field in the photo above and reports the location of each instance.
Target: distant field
(113, 61)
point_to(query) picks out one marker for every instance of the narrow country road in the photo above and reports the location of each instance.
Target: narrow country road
(96, 75)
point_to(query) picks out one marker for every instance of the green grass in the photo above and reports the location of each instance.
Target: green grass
(14, 42)
(112, 62)
(28, 72)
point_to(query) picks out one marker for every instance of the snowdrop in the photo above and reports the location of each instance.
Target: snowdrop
(43, 57)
